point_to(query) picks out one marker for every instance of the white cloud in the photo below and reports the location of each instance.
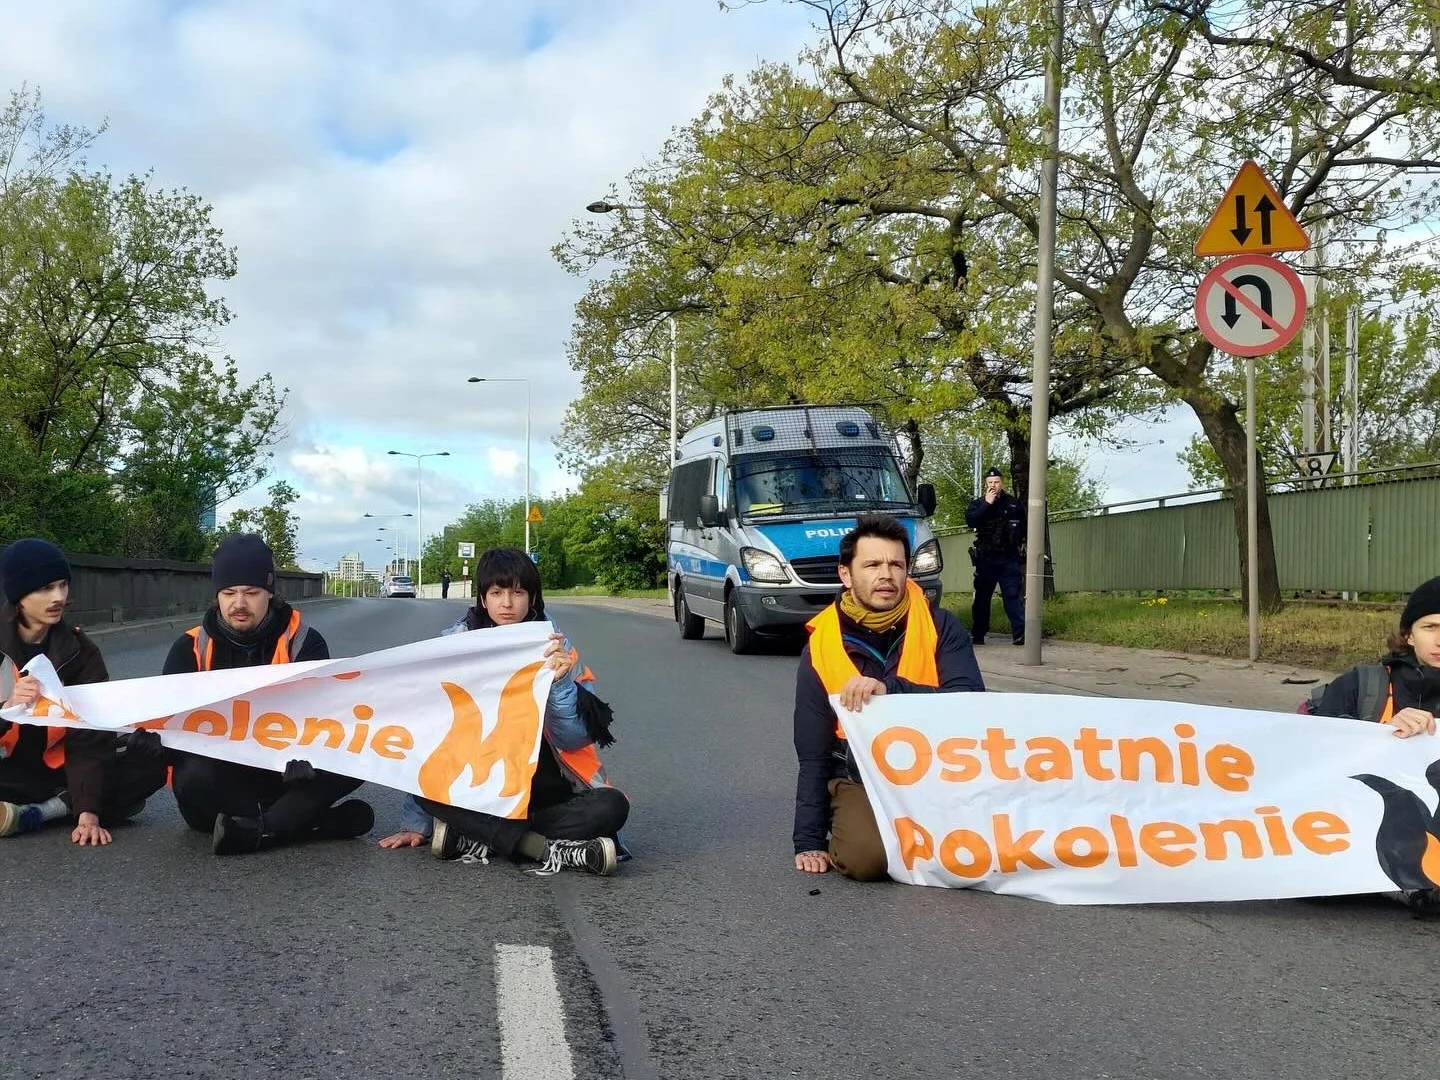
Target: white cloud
(504, 462)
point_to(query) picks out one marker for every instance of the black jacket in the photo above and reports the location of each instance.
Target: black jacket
(823, 754)
(234, 650)
(999, 526)
(1415, 687)
(77, 661)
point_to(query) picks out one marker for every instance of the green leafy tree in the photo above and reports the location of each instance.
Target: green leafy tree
(116, 428)
(899, 159)
(275, 522)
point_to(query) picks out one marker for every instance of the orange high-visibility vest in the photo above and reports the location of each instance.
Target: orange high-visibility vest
(54, 755)
(582, 766)
(917, 656)
(284, 648)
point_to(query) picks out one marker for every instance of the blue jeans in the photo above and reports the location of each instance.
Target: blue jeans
(992, 570)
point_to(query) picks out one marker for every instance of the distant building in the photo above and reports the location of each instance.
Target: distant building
(351, 567)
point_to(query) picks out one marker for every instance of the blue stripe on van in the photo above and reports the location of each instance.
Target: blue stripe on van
(807, 539)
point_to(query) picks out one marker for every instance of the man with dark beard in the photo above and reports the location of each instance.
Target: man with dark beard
(246, 808)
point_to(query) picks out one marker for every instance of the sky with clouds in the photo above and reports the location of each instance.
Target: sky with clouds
(394, 177)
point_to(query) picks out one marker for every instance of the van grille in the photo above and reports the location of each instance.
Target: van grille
(824, 570)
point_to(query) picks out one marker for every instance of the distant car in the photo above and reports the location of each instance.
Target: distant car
(399, 586)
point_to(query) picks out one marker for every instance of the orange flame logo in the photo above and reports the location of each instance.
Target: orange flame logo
(468, 746)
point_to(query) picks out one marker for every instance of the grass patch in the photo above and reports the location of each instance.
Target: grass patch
(1331, 637)
(599, 590)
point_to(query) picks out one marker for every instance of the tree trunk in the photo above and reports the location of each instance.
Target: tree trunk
(1220, 421)
(911, 433)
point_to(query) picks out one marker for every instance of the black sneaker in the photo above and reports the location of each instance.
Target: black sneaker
(977, 641)
(239, 835)
(350, 819)
(1424, 903)
(448, 842)
(592, 856)
(1019, 640)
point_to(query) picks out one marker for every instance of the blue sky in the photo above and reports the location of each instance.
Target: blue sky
(393, 177)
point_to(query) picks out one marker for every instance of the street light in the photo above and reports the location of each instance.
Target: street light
(390, 517)
(600, 206)
(519, 379)
(419, 528)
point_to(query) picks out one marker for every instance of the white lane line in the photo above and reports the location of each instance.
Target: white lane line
(532, 1017)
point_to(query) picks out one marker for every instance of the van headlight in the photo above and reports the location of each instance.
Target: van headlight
(926, 559)
(762, 566)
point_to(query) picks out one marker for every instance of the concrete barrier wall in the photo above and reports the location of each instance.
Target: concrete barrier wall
(110, 590)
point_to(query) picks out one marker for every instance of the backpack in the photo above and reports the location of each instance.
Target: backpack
(1370, 697)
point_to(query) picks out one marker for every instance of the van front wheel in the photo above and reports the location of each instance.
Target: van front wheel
(692, 626)
(742, 639)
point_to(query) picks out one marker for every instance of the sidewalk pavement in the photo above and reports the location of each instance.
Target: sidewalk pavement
(1072, 667)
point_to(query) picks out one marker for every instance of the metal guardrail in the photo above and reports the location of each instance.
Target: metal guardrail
(1376, 535)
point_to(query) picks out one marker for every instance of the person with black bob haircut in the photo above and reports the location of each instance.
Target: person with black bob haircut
(95, 778)
(574, 815)
(880, 637)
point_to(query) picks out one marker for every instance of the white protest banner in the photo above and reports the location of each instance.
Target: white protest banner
(434, 718)
(1107, 801)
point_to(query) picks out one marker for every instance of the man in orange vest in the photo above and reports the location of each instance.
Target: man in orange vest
(880, 637)
(244, 808)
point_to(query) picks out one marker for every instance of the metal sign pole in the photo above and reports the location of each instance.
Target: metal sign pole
(1252, 511)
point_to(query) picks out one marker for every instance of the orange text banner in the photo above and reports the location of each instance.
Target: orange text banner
(1103, 801)
(456, 719)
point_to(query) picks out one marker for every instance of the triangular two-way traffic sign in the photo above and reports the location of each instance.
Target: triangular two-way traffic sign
(1252, 218)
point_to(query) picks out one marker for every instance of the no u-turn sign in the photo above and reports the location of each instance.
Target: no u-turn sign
(1250, 305)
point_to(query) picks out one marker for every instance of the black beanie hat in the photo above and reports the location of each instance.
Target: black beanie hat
(28, 565)
(243, 559)
(1425, 600)
(992, 471)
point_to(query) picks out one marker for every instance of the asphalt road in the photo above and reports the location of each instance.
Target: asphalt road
(707, 956)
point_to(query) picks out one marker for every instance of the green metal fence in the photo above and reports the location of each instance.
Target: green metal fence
(1378, 537)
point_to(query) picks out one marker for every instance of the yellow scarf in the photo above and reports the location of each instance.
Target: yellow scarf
(877, 622)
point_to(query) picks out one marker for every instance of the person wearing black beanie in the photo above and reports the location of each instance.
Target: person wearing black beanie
(95, 778)
(1402, 691)
(245, 808)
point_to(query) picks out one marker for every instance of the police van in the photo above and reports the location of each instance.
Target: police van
(757, 504)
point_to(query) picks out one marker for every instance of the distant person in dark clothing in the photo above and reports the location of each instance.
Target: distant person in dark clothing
(999, 523)
(242, 807)
(91, 778)
(444, 584)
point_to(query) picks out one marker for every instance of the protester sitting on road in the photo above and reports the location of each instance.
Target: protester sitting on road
(880, 637)
(1403, 692)
(244, 808)
(574, 814)
(1403, 689)
(53, 773)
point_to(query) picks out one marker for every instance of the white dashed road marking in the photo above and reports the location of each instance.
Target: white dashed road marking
(532, 1018)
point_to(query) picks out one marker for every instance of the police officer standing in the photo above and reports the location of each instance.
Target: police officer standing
(999, 523)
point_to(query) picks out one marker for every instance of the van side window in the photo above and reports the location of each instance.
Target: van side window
(687, 483)
(720, 486)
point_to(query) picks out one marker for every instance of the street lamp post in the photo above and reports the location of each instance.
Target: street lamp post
(600, 206)
(419, 526)
(519, 379)
(395, 556)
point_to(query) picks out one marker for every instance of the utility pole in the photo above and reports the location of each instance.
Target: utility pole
(1044, 319)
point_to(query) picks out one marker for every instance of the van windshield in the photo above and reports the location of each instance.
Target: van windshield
(804, 482)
